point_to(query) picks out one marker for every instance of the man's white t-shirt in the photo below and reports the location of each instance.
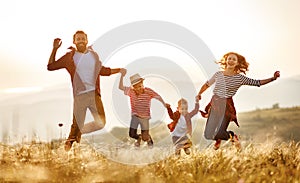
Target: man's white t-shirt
(85, 68)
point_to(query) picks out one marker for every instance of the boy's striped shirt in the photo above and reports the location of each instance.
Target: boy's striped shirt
(140, 104)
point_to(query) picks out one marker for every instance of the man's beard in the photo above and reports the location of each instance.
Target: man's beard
(81, 47)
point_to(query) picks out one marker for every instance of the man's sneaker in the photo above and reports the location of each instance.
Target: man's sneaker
(217, 144)
(78, 138)
(68, 144)
(150, 142)
(235, 141)
(138, 141)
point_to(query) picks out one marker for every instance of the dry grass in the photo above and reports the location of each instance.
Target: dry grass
(43, 162)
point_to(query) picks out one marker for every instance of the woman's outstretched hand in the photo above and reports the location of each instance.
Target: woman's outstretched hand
(276, 75)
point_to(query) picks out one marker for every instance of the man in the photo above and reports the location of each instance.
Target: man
(84, 66)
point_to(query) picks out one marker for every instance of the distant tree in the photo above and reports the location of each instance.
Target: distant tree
(275, 106)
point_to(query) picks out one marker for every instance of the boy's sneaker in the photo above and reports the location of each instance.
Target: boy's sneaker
(150, 142)
(217, 144)
(68, 144)
(138, 141)
(177, 152)
(187, 151)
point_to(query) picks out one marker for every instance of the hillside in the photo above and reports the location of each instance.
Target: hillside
(24, 114)
(282, 124)
(279, 124)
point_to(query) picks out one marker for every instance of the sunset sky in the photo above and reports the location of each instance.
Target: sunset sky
(265, 32)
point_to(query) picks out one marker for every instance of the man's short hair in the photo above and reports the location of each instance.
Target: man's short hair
(79, 32)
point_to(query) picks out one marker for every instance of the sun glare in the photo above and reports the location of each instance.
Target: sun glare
(22, 90)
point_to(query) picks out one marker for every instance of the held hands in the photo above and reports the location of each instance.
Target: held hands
(198, 96)
(123, 72)
(57, 43)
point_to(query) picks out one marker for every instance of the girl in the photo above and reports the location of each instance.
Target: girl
(220, 111)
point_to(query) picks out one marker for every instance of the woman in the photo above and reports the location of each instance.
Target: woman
(220, 111)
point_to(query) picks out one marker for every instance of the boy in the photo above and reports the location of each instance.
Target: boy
(140, 101)
(181, 127)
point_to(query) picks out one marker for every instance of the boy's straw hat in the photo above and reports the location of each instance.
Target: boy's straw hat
(136, 78)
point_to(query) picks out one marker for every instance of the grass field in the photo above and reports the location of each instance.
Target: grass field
(39, 162)
(270, 153)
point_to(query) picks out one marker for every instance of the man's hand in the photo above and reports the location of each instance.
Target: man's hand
(57, 43)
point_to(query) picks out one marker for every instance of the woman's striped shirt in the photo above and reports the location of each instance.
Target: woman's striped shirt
(227, 86)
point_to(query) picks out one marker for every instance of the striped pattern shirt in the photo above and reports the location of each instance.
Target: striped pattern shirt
(140, 104)
(227, 86)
